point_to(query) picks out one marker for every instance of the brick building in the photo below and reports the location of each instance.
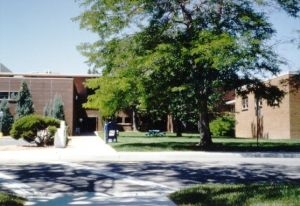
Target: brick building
(281, 122)
(43, 88)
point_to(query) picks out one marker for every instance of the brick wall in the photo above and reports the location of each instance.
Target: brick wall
(44, 87)
(281, 122)
(295, 114)
(42, 91)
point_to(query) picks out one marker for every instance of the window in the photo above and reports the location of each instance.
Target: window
(4, 95)
(128, 120)
(13, 95)
(245, 103)
(119, 119)
(10, 96)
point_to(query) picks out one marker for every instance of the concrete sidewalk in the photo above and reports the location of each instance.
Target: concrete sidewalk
(93, 148)
(80, 148)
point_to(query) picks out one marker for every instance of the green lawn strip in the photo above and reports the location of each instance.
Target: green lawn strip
(7, 199)
(238, 194)
(241, 144)
(138, 141)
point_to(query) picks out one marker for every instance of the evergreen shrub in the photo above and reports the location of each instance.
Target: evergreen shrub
(35, 129)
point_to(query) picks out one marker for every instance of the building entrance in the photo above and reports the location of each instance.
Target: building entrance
(91, 124)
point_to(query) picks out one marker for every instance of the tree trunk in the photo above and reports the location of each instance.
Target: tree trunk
(170, 123)
(204, 131)
(134, 120)
(178, 128)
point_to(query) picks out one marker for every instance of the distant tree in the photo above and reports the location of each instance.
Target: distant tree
(24, 102)
(55, 108)
(7, 118)
(58, 108)
(93, 71)
(47, 109)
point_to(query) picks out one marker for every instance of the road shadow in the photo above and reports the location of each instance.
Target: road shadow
(64, 184)
(187, 173)
(60, 184)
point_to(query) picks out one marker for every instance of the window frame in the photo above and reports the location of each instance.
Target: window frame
(245, 103)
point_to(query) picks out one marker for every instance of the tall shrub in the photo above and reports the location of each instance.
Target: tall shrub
(55, 108)
(7, 118)
(58, 108)
(24, 102)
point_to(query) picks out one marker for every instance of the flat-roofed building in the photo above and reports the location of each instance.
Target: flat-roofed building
(279, 122)
(44, 87)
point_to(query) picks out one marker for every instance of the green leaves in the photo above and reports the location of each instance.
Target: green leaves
(28, 127)
(290, 6)
(176, 56)
(55, 108)
(24, 103)
(109, 17)
(217, 50)
(7, 119)
(111, 94)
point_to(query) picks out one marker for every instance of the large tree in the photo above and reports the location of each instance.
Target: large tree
(186, 52)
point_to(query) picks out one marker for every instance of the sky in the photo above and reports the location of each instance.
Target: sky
(39, 36)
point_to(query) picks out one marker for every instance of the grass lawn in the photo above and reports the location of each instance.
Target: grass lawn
(7, 199)
(138, 141)
(238, 194)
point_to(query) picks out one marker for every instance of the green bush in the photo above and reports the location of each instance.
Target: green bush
(52, 130)
(7, 119)
(35, 128)
(223, 125)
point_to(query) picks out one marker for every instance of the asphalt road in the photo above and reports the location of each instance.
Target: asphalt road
(97, 182)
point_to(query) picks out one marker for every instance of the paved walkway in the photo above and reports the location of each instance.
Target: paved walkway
(80, 148)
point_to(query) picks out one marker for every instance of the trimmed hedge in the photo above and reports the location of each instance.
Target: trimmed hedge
(35, 128)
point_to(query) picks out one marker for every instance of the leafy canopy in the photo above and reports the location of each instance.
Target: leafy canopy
(182, 54)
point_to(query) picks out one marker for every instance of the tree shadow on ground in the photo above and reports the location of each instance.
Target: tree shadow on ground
(81, 184)
(187, 173)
